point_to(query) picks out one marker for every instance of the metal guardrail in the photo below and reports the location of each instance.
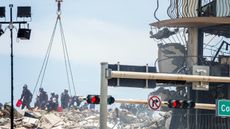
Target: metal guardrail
(182, 8)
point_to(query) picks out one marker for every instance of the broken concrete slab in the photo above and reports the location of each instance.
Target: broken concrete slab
(3, 121)
(21, 128)
(58, 127)
(4, 127)
(37, 115)
(52, 119)
(30, 122)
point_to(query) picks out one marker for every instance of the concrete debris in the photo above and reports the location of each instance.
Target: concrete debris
(30, 122)
(4, 121)
(52, 119)
(5, 111)
(125, 117)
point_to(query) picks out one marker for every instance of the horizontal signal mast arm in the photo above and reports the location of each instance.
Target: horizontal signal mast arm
(205, 106)
(131, 101)
(164, 76)
(165, 104)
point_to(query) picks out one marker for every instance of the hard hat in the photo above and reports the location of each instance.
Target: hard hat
(41, 89)
(25, 86)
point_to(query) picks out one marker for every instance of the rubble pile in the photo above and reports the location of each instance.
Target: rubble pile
(142, 120)
(125, 117)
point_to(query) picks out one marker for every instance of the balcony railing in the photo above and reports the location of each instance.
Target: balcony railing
(191, 8)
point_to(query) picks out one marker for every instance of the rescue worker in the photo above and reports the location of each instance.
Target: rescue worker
(53, 102)
(92, 106)
(75, 101)
(57, 102)
(36, 104)
(26, 97)
(42, 99)
(1, 106)
(85, 106)
(65, 99)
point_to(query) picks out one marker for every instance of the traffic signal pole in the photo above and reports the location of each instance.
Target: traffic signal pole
(103, 96)
(107, 74)
(203, 106)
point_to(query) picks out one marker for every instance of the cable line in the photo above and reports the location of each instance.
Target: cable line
(68, 68)
(45, 61)
(68, 60)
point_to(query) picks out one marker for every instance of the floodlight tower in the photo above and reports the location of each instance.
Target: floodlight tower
(23, 33)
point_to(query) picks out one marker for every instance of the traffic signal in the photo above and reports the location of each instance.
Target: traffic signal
(110, 100)
(185, 104)
(93, 99)
(188, 104)
(174, 104)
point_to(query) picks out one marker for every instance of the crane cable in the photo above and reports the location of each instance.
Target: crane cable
(67, 60)
(46, 59)
(65, 52)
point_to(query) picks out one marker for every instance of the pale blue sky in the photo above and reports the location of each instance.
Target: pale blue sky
(95, 30)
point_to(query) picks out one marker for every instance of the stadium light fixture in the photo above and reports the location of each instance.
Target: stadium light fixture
(23, 33)
(24, 11)
(2, 12)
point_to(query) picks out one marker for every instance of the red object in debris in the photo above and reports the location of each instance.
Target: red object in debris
(59, 109)
(19, 103)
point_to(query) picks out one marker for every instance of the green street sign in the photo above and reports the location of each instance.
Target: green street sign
(223, 108)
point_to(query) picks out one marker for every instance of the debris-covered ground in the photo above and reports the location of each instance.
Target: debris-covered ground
(124, 117)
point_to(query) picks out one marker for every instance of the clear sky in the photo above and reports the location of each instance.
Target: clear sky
(95, 30)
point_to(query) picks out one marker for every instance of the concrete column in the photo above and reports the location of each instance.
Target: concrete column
(192, 47)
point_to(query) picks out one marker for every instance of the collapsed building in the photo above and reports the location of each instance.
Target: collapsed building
(126, 117)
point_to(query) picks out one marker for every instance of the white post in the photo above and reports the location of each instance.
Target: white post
(103, 96)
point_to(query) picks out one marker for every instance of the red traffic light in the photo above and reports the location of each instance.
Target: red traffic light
(174, 104)
(185, 104)
(93, 99)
